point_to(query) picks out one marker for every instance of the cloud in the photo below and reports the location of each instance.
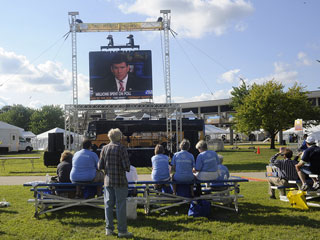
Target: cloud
(194, 18)
(17, 73)
(303, 59)
(282, 74)
(229, 77)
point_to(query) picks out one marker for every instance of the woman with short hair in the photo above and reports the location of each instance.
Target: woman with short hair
(183, 164)
(160, 166)
(207, 163)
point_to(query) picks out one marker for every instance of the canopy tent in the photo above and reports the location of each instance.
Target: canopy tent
(310, 130)
(189, 115)
(211, 130)
(40, 142)
(316, 136)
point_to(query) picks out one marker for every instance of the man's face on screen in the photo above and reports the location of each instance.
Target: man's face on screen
(120, 70)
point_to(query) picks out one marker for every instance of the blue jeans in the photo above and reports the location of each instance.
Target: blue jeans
(118, 196)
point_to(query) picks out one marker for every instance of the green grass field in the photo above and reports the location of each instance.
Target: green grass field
(259, 218)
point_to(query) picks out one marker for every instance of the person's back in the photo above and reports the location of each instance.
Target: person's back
(312, 155)
(63, 171)
(160, 167)
(84, 166)
(223, 172)
(207, 161)
(115, 164)
(184, 163)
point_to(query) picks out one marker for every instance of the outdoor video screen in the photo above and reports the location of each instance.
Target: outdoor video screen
(120, 75)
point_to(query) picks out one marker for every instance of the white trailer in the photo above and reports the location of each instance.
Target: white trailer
(11, 139)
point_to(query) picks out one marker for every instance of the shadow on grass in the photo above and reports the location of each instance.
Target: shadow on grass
(238, 150)
(8, 211)
(257, 214)
(247, 167)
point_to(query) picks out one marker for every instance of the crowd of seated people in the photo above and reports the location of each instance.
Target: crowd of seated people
(288, 169)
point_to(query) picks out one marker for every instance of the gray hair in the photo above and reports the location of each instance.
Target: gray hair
(185, 144)
(220, 158)
(115, 135)
(202, 145)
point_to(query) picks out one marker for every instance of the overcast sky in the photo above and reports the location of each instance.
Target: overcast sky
(218, 42)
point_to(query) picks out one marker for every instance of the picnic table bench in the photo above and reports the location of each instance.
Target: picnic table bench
(295, 185)
(221, 193)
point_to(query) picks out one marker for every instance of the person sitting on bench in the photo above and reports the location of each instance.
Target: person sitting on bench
(85, 168)
(64, 167)
(206, 163)
(285, 171)
(183, 165)
(311, 156)
(160, 166)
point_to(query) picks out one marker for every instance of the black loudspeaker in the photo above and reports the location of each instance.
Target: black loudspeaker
(140, 157)
(59, 142)
(51, 159)
(55, 142)
(193, 138)
(51, 142)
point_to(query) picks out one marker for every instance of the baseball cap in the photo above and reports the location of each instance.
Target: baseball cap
(310, 140)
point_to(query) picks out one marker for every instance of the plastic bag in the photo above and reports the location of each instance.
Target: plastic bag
(131, 208)
(297, 199)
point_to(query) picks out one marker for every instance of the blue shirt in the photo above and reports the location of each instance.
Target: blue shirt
(223, 172)
(84, 166)
(160, 167)
(184, 163)
(207, 161)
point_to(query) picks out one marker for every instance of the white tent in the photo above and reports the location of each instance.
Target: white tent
(316, 136)
(189, 115)
(309, 131)
(40, 142)
(212, 130)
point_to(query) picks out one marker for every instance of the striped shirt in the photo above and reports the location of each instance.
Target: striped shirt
(286, 167)
(115, 162)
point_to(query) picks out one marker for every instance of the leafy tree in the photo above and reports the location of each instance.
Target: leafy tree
(17, 115)
(267, 106)
(46, 118)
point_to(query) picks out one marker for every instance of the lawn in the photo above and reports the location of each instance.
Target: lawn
(259, 218)
(242, 159)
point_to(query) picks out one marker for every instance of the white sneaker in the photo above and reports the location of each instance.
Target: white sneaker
(304, 187)
(315, 185)
(109, 232)
(125, 235)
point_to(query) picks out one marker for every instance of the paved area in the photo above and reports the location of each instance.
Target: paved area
(19, 180)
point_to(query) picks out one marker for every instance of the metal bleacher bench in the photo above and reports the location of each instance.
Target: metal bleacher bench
(221, 193)
(296, 184)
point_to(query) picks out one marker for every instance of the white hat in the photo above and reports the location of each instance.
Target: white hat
(310, 140)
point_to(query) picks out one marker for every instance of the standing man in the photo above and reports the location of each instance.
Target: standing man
(114, 161)
(309, 164)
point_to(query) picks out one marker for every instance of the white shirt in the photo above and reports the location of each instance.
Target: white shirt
(124, 83)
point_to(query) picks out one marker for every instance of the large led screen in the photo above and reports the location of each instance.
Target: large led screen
(120, 75)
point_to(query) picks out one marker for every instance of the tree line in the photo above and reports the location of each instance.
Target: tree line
(34, 120)
(268, 106)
